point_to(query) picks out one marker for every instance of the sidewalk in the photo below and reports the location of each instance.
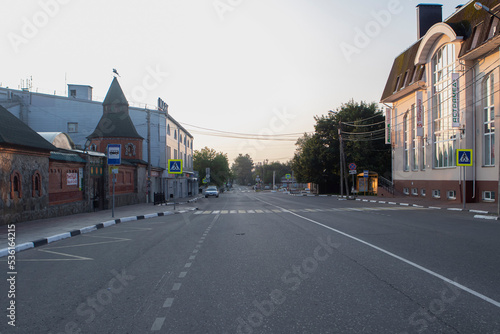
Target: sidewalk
(481, 208)
(43, 231)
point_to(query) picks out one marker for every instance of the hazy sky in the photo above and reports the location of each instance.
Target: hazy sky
(246, 66)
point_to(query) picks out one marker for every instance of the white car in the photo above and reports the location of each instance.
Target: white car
(211, 191)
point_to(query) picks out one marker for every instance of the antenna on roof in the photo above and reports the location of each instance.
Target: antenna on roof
(115, 72)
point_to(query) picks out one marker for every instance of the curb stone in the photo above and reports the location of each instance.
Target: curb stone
(481, 214)
(44, 241)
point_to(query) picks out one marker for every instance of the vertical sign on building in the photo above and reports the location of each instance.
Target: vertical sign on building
(387, 125)
(420, 113)
(455, 109)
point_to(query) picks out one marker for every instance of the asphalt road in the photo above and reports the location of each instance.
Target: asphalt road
(266, 263)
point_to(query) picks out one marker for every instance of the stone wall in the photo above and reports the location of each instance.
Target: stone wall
(31, 201)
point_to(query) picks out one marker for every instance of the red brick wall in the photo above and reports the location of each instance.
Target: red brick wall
(60, 191)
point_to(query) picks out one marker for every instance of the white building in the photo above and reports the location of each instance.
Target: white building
(77, 115)
(443, 94)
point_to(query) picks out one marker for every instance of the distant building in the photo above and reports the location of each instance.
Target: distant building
(77, 115)
(443, 94)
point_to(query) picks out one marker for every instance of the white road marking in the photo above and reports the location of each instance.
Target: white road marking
(176, 286)
(157, 324)
(413, 264)
(183, 274)
(168, 302)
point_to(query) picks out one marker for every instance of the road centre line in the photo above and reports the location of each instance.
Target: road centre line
(413, 264)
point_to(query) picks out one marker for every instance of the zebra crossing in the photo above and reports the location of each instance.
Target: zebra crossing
(261, 211)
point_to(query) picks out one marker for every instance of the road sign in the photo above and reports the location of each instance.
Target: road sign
(114, 154)
(352, 166)
(365, 173)
(353, 172)
(175, 166)
(464, 157)
(288, 176)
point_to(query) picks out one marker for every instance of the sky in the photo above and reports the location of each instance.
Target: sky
(234, 73)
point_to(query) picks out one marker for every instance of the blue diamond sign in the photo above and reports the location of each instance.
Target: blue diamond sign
(175, 166)
(464, 157)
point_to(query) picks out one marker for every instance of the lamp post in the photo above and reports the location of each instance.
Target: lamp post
(480, 6)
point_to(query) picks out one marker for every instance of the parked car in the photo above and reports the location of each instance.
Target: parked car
(211, 191)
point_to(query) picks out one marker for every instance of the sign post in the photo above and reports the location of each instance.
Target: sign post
(365, 178)
(352, 171)
(464, 158)
(175, 167)
(114, 158)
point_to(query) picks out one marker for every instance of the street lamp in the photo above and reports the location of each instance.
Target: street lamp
(480, 6)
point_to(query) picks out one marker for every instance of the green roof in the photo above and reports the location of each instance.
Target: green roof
(115, 94)
(14, 132)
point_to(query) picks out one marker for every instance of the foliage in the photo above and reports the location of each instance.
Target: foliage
(317, 157)
(266, 169)
(217, 162)
(242, 169)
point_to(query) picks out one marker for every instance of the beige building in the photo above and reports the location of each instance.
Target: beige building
(442, 95)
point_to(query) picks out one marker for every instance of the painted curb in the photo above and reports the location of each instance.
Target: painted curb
(44, 241)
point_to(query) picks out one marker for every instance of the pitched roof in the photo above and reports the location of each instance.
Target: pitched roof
(474, 26)
(14, 132)
(115, 94)
(115, 125)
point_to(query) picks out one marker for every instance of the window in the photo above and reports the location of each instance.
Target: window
(443, 65)
(406, 191)
(422, 192)
(37, 184)
(168, 129)
(72, 127)
(72, 92)
(175, 153)
(175, 134)
(16, 190)
(414, 138)
(93, 147)
(130, 150)
(489, 122)
(451, 194)
(436, 193)
(488, 196)
(414, 191)
(180, 137)
(406, 153)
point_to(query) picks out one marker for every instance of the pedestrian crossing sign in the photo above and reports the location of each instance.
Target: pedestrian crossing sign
(175, 166)
(464, 157)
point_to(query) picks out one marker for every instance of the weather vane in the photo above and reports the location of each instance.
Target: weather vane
(115, 72)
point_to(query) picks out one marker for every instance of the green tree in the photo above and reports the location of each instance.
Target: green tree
(217, 162)
(317, 157)
(242, 169)
(266, 169)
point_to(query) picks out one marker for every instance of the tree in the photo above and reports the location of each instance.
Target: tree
(266, 170)
(362, 125)
(242, 169)
(217, 162)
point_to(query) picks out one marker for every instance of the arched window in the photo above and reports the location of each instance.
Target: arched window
(443, 65)
(93, 147)
(36, 184)
(130, 150)
(16, 190)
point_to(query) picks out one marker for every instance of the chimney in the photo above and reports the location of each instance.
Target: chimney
(427, 16)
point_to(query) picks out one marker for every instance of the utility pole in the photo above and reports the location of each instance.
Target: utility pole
(163, 107)
(148, 117)
(341, 150)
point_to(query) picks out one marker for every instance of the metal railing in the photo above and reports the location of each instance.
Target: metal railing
(386, 184)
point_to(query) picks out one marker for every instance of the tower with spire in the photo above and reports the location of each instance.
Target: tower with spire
(116, 127)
